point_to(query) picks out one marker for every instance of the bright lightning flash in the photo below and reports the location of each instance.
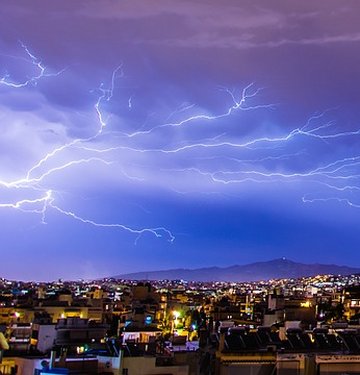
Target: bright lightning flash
(214, 162)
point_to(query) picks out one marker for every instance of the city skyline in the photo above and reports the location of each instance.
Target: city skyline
(141, 136)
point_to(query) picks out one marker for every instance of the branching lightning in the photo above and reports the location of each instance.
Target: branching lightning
(237, 104)
(47, 200)
(33, 80)
(220, 160)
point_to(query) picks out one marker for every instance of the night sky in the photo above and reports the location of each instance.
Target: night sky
(147, 135)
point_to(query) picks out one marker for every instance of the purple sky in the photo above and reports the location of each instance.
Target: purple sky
(141, 135)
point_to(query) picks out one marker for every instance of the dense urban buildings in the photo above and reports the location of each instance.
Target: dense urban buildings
(286, 326)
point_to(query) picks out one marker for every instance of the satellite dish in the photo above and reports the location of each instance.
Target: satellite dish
(3, 343)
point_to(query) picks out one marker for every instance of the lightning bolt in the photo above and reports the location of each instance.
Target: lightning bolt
(340, 200)
(237, 104)
(206, 160)
(38, 64)
(47, 200)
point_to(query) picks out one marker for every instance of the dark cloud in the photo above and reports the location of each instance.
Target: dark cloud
(220, 192)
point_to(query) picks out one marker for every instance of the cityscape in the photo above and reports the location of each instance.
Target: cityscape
(308, 325)
(179, 187)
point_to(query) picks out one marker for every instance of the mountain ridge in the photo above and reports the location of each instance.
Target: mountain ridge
(265, 270)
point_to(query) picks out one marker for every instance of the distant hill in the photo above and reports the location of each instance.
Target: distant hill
(273, 269)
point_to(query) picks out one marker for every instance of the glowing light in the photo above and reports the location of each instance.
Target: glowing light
(210, 167)
(42, 72)
(306, 304)
(47, 200)
(238, 104)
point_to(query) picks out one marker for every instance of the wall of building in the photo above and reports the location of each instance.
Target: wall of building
(27, 365)
(337, 364)
(109, 364)
(46, 338)
(146, 366)
(246, 369)
(293, 364)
